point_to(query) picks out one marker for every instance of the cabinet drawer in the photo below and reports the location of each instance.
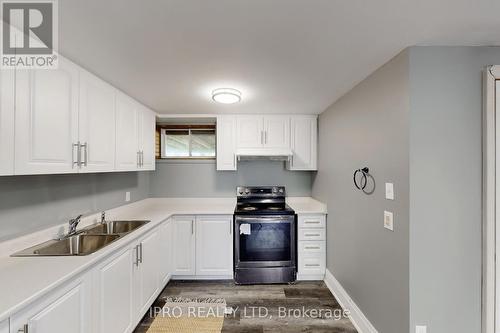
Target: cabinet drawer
(312, 234)
(312, 247)
(312, 265)
(312, 221)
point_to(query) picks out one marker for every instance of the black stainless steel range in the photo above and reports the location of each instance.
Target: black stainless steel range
(265, 236)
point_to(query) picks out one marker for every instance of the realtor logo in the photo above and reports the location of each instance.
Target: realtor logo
(29, 34)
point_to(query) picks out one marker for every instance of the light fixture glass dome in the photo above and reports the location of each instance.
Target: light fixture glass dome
(226, 95)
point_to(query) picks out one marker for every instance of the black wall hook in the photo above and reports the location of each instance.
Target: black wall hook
(364, 171)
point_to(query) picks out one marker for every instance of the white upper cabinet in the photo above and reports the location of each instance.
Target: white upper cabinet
(146, 148)
(255, 132)
(46, 126)
(7, 122)
(249, 131)
(127, 133)
(277, 131)
(304, 135)
(97, 124)
(226, 142)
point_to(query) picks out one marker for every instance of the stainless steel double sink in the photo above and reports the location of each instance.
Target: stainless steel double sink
(84, 242)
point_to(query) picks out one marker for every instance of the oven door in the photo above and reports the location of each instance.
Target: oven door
(264, 241)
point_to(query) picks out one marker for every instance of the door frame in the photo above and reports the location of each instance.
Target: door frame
(490, 292)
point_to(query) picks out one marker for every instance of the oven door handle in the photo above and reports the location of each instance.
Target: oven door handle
(259, 219)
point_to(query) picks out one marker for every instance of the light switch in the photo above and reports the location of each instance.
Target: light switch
(420, 329)
(389, 191)
(127, 196)
(389, 220)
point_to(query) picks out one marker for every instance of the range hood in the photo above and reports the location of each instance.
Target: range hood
(264, 154)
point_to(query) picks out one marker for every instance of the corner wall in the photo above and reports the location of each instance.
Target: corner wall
(369, 127)
(446, 186)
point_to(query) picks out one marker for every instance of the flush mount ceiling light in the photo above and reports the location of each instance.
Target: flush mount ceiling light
(226, 95)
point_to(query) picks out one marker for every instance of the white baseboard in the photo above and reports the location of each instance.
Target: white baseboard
(358, 319)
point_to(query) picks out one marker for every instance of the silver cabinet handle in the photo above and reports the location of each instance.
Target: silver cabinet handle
(24, 329)
(77, 162)
(265, 137)
(312, 235)
(312, 222)
(140, 252)
(312, 265)
(312, 247)
(192, 227)
(138, 159)
(142, 158)
(230, 228)
(261, 137)
(137, 255)
(85, 154)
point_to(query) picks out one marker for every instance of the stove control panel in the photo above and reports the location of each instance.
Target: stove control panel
(260, 191)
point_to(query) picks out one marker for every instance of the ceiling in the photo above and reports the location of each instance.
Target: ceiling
(286, 56)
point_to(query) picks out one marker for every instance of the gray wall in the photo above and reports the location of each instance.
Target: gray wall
(445, 178)
(369, 127)
(200, 178)
(31, 203)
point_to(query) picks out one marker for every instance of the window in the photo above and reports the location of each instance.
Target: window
(188, 141)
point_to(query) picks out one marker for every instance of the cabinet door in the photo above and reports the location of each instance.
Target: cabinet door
(277, 131)
(127, 136)
(165, 255)
(226, 143)
(184, 245)
(113, 298)
(147, 275)
(214, 245)
(69, 311)
(249, 131)
(147, 124)
(46, 120)
(4, 326)
(97, 123)
(304, 143)
(7, 122)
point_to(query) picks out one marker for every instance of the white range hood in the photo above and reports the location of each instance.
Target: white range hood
(264, 154)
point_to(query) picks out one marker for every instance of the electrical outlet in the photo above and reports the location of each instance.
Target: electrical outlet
(420, 329)
(389, 220)
(389, 191)
(127, 196)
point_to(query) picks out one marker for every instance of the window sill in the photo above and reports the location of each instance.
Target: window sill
(186, 160)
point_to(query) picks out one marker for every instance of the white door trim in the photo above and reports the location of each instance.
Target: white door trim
(490, 207)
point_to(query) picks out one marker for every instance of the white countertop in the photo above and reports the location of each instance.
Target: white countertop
(23, 279)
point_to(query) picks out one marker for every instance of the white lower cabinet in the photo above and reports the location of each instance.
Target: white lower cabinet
(65, 310)
(214, 245)
(112, 294)
(184, 245)
(165, 262)
(203, 246)
(311, 249)
(146, 275)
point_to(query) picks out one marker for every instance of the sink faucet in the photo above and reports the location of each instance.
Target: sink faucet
(72, 225)
(103, 217)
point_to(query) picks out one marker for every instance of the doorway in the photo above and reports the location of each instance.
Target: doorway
(491, 200)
